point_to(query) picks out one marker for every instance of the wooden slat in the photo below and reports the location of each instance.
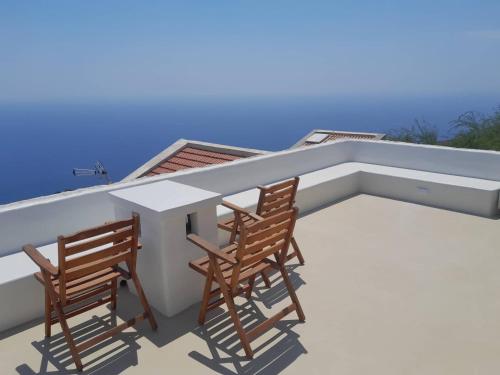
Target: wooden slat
(93, 232)
(262, 234)
(286, 200)
(84, 296)
(264, 326)
(97, 265)
(253, 270)
(269, 197)
(100, 241)
(267, 241)
(257, 257)
(84, 278)
(99, 254)
(276, 211)
(252, 228)
(90, 306)
(92, 283)
(278, 186)
(95, 340)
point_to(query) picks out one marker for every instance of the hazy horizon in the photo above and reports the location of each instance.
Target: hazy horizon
(125, 50)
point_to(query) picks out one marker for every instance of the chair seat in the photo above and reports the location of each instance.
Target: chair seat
(85, 283)
(228, 224)
(201, 265)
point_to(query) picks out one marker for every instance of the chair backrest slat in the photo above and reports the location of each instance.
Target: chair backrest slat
(266, 237)
(101, 254)
(277, 198)
(96, 231)
(271, 240)
(95, 266)
(113, 237)
(281, 185)
(92, 250)
(269, 250)
(281, 201)
(260, 226)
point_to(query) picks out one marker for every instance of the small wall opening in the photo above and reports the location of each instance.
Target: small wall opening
(191, 223)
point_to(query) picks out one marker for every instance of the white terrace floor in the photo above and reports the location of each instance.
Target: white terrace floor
(388, 288)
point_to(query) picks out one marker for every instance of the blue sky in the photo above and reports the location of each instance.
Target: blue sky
(138, 49)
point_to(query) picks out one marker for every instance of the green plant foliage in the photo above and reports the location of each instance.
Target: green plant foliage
(420, 132)
(469, 130)
(474, 130)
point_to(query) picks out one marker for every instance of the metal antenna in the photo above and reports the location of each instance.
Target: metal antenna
(98, 171)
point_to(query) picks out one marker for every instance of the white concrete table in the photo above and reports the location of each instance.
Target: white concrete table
(162, 264)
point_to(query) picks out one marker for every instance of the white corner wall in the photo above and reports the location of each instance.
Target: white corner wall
(40, 220)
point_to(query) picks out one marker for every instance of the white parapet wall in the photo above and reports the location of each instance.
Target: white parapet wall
(452, 176)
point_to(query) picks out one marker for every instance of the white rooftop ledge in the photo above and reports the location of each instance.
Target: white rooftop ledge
(427, 175)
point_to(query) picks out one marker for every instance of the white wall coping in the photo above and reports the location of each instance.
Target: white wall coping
(248, 198)
(166, 197)
(351, 156)
(40, 220)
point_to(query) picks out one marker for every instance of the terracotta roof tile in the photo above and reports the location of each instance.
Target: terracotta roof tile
(191, 157)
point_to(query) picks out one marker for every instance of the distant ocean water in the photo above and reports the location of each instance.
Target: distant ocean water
(42, 142)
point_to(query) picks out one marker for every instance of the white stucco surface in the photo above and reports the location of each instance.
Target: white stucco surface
(166, 252)
(165, 197)
(460, 180)
(388, 288)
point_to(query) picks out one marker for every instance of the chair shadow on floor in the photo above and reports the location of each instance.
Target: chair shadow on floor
(280, 348)
(111, 356)
(115, 355)
(278, 292)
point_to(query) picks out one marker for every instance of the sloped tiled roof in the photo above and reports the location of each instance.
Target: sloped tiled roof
(191, 157)
(186, 154)
(321, 136)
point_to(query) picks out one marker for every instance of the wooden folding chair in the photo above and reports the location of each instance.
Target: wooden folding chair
(272, 199)
(241, 262)
(86, 277)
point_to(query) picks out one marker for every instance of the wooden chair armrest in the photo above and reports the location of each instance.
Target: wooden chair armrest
(211, 249)
(38, 258)
(242, 210)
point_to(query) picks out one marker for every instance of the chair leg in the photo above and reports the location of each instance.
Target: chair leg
(264, 276)
(142, 297)
(206, 296)
(297, 251)
(48, 314)
(114, 288)
(232, 237)
(251, 282)
(292, 294)
(231, 308)
(62, 320)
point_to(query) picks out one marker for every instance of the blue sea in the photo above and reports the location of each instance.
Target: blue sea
(42, 142)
